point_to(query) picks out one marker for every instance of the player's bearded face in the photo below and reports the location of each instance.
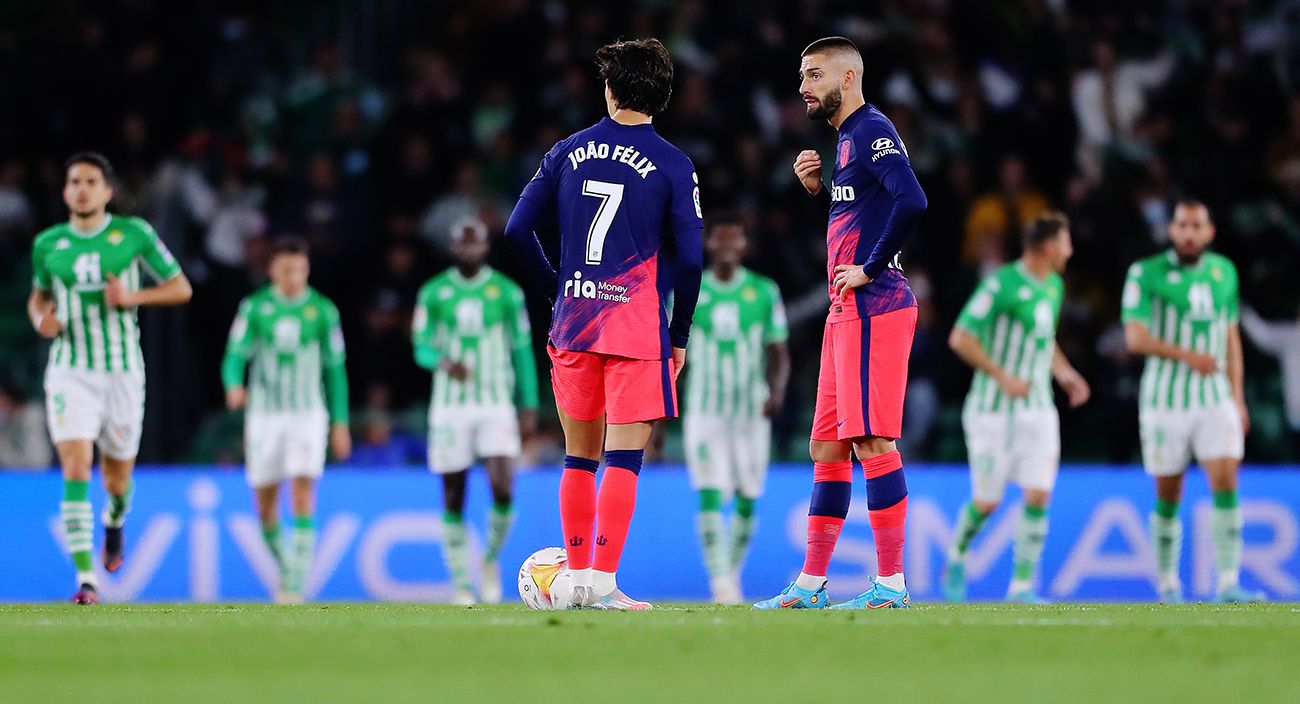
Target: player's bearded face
(826, 105)
(470, 249)
(1191, 232)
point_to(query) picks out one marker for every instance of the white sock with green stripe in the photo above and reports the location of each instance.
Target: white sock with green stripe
(455, 549)
(713, 533)
(79, 529)
(1031, 534)
(969, 522)
(743, 526)
(1167, 534)
(302, 543)
(500, 519)
(1225, 530)
(117, 508)
(271, 536)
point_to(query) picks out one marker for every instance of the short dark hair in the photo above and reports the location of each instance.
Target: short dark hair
(94, 159)
(722, 219)
(1043, 228)
(639, 73)
(830, 45)
(289, 244)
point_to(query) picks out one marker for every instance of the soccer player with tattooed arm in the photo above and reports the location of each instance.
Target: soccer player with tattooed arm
(874, 203)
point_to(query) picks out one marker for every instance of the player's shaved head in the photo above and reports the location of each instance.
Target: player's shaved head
(469, 244)
(726, 241)
(838, 49)
(831, 67)
(469, 229)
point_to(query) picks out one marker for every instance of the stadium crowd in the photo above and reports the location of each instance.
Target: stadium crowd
(373, 128)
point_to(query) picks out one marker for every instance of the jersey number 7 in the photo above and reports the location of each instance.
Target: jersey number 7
(610, 195)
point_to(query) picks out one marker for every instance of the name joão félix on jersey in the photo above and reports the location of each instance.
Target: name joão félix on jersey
(623, 200)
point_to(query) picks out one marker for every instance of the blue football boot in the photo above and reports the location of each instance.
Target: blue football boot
(793, 597)
(878, 597)
(954, 581)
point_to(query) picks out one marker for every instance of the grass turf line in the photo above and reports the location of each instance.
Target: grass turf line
(399, 652)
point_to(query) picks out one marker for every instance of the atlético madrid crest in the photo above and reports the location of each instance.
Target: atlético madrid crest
(846, 147)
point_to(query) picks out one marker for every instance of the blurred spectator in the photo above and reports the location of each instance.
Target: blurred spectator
(996, 218)
(1110, 96)
(465, 200)
(16, 216)
(24, 443)
(376, 444)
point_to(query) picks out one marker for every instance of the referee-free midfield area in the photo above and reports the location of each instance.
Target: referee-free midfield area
(686, 653)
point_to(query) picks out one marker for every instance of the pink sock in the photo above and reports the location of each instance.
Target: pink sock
(615, 505)
(578, 515)
(832, 490)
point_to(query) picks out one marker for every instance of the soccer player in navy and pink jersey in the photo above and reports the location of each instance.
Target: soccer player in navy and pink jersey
(626, 205)
(874, 203)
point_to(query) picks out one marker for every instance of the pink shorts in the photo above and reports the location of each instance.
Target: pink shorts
(863, 376)
(625, 390)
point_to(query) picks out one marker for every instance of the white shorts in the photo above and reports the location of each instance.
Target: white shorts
(282, 445)
(458, 436)
(106, 407)
(728, 454)
(1022, 446)
(1171, 438)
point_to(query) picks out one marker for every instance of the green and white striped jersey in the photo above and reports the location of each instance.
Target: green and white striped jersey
(296, 349)
(1188, 306)
(481, 322)
(734, 322)
(74, 266)
(1014, 315)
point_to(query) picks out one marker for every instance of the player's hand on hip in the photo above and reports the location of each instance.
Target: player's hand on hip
(847, 278)
(341, 441)
(679, 361)
(236, 397)
(527, 422)
(1013, 386)
(1201, 363)
(49, 326)
(808, 167)
(117, 295)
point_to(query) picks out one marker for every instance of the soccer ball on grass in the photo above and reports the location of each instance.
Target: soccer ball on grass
(544, 580)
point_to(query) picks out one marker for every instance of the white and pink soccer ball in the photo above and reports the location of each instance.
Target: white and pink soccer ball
(544, 580)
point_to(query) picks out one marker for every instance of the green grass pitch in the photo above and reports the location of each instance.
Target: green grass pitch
(377, 654)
